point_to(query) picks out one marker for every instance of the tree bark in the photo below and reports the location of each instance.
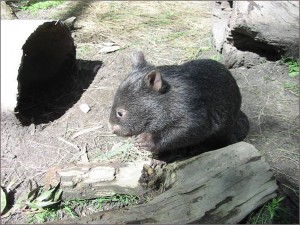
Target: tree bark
(221, 186)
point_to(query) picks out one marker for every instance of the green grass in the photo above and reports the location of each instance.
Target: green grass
(120, 149)
(268, 78)
(272, 212)
(166, 18)
(84, 49)
(43, 216)
(293, 67)
(38, 5)
(293, 71)
(110, 16)
(115, 13)
(216, 57)
(69, 207)
(164, 26)
(171, 37)
(99, 203)
(293, 88)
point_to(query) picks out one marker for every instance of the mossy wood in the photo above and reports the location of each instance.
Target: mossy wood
(221, 186)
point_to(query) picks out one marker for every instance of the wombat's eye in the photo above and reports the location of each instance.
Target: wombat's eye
(120, 113)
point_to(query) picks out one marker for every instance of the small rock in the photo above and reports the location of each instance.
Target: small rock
(84, 108)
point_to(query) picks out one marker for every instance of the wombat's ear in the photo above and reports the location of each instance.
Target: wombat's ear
(154, 80)
(138, 60)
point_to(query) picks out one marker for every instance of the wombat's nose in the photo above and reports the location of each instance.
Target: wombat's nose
(113, 128)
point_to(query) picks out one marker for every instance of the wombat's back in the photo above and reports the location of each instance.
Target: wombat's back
(205, 81)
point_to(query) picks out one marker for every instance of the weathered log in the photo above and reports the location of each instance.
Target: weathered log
(6, 12)
(37, 54)
(221, 11)
(92, 180)
(221, 186)
(268, 29)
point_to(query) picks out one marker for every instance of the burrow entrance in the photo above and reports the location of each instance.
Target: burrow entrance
(246, 42)
(50, 79)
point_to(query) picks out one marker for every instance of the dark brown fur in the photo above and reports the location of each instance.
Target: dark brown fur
(172, 107)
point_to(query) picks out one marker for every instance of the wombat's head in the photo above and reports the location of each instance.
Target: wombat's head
(137, 102)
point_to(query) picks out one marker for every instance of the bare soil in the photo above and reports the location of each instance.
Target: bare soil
(168, 33)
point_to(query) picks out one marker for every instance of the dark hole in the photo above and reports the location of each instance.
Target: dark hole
(50, 79)
(246, 42)
(45, 102)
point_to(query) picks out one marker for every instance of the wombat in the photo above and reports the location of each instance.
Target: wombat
(176, 106)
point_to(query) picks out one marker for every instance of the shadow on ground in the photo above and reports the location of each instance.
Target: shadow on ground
(45, 103)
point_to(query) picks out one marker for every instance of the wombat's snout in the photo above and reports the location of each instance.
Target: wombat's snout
(114, 128)
(120, 114)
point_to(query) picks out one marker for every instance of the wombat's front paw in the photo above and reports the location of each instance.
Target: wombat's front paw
(145, 140)
(155, 163)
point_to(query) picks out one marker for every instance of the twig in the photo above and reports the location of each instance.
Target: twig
(101, 88)
(69, 143)
(41, 144)
(106, 135)
(38, 174)
(85, 131)
(261, 112)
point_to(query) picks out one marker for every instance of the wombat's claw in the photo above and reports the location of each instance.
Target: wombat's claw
(157, 163)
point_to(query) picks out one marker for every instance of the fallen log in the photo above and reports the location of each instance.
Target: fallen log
(266, 29)
(32, 58)
(92, 180)
(6, 12)
(221, 186)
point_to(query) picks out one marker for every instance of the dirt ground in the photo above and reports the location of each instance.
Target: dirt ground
(168, 33)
